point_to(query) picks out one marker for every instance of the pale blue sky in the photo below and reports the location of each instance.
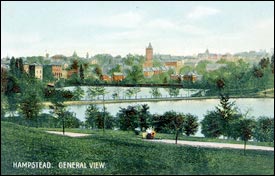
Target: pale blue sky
(119, 28)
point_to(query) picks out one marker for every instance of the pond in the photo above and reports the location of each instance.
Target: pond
(253, 107)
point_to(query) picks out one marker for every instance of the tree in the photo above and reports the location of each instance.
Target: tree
(115, 95)
(12, 66)
(128, 118)
(135, 75)
(190, 125)
(264, 63)
(71, 121)
(155, 92)
(144, 117)
(47, 73)
(177, 123)
(98, 71)
(31, 99)
(59, 109)
(75, 65)
(132, 91)
(226, 110)
(245, 129)
(81, 72)
(92, 116)
(211, 125)
(173, 92)
(264, 129)
(78, 93)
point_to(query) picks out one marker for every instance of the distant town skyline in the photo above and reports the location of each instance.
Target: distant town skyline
(120, 28)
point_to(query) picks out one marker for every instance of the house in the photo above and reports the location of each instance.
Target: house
(106, 78)
(118, 76)
(191, 76)
(34, 70)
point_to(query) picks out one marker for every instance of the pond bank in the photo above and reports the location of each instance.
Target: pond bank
(87, 102)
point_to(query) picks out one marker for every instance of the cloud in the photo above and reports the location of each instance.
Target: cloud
(202, 12)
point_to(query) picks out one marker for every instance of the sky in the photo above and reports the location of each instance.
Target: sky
(119, 28)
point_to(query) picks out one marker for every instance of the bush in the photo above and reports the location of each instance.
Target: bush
(211, 125)
(264, 130)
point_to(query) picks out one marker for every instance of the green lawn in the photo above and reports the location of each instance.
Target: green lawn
(123, 153)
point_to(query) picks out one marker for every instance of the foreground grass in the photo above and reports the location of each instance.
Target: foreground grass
(123, 153)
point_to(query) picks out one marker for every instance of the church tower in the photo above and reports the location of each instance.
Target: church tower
(149, 56)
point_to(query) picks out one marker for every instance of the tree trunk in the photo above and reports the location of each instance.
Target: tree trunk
(244, 147)
(177, 134)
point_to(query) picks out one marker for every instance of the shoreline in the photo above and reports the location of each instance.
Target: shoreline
(87, 102)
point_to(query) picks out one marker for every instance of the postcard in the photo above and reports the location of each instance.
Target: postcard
(137, 88)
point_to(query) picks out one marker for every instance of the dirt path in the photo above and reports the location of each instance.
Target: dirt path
(69, 134)
(180, 142)
(215, 145)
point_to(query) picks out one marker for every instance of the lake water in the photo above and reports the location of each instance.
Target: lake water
(254, 107)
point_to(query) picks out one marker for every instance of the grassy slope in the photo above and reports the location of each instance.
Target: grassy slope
(123, 154)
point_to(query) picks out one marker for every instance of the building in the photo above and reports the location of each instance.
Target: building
(26, 68)
(148, 56)
(191, 76)
(70, 73)
(118, 76)
(57, 71)
(36, 71)
(106, 78)
(176, 64)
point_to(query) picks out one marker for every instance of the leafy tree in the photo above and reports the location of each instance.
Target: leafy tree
(264, 130)
(264, 63)
(129, 92)
(135, 91)
(173, 92)
(135, 75)
(155, 92)
(98, 72)
(99, 119)
(71, 121)
(117, 68)
(59, 109)
(31, 99)
(115, 95)
(75, 64)
(47, 73)
(190, 125)
(211, 125)
(78, 93)
(128, 118)
(246, 127)
(176, 123)
(92, 116)
(161, 123)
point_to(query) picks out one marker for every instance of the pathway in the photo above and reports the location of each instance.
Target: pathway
(214, 144)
